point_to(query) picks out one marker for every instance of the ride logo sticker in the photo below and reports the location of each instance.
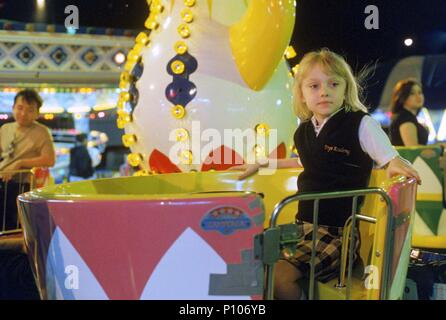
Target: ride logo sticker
(225, 220)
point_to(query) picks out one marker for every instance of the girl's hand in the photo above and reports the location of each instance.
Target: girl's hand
(249, 169)
(397, 166)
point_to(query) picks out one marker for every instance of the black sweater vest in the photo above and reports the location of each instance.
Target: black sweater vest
(332, 161)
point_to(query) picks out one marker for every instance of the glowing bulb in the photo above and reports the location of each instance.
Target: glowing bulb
(408, 42)
(156, 7)
(142, 38)
(123, 85)
(262, 129)
(290, 52)
(186, 157)
(180, 47)
(128, 140)
(181, 135)
(125, 96)
(138, 48)
(119, 58)
(184, 30)
(41, 4)
(129, 65)
(133, 56)
(126, 77)
(295, 68)
(177, 67)
(189, 3)
(134, 159)
(151, 23)
(178, 112)
(120, 124)
(187, 15)
(123, 120)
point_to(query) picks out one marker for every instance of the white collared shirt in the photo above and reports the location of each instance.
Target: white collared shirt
(372, 138)
(317, 126)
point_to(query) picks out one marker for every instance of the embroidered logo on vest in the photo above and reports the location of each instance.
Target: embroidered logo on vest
(336, 149)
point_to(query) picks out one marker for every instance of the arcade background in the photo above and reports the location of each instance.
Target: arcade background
(71, 108)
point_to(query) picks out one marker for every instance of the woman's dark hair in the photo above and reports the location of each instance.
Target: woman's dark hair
(401, 92)
(30, 96)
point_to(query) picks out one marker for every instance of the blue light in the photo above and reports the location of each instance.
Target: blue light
(71, 30)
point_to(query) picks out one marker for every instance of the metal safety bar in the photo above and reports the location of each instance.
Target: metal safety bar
(12, 184)
(332, 195)
(345, 243)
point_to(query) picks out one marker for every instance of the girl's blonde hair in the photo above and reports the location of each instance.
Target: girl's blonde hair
(331, 63)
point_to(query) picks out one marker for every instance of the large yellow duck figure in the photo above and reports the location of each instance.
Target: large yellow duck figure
(207, 86)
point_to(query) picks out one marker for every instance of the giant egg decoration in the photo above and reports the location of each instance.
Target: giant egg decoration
(207, 85)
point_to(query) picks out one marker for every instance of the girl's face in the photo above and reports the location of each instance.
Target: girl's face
(323, 93)
(415, 100)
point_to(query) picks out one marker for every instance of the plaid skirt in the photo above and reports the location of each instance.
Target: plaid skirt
(328, 250)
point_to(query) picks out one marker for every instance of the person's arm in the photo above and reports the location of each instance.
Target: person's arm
(250, 169)
(47, 158)
(376, 144)
(400, 166)
(408, 132)
(287, 163)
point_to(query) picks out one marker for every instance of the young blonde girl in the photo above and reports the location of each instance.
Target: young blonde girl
(338, 143)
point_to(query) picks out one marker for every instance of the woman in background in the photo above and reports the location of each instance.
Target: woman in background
(407, 101)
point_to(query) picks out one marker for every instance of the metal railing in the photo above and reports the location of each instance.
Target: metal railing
(13, 183)
(347, 248)
(354, 217)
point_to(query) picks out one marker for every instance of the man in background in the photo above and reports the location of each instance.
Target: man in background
(24, 144)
